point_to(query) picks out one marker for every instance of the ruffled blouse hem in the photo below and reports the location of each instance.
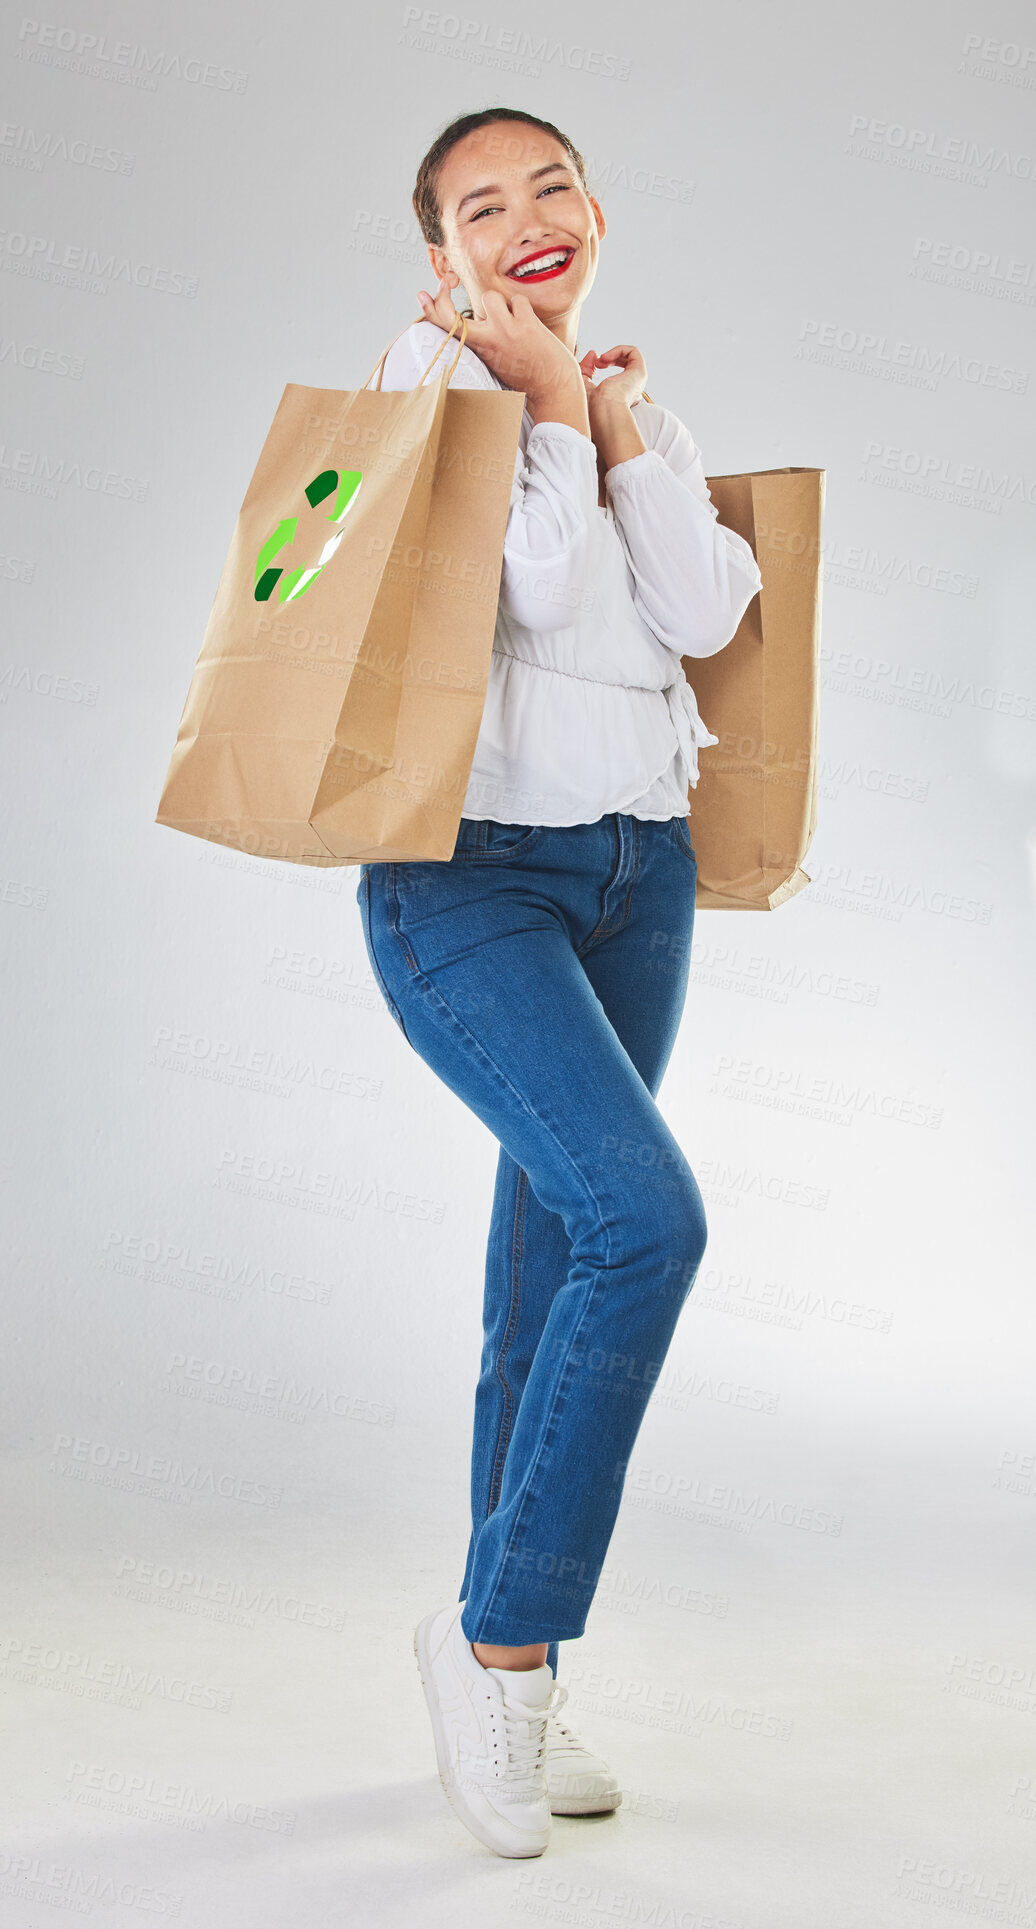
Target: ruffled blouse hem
(568, 824)
(688, 733)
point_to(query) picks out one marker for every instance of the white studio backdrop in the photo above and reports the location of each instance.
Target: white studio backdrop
(245, 1224)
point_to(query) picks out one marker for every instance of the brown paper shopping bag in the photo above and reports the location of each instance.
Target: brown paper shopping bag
(334, 709)
(755, 803)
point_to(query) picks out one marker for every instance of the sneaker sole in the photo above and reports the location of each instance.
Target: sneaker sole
(452, 1793)
(576, 1805)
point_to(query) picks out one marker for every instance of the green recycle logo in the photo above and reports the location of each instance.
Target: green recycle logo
(295, 582)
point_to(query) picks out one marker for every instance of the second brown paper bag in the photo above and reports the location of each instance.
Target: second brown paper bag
(754, 809)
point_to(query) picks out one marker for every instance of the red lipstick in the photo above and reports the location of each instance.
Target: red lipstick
(547, 274)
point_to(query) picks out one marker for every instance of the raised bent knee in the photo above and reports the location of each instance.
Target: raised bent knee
(649, 1231)
(682, 1235)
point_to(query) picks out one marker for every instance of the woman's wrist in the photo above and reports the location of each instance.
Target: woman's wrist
(564, 402)
(615, 432)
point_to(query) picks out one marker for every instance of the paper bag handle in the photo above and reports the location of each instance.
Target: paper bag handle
(379, 367)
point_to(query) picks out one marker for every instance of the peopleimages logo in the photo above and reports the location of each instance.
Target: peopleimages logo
(296, 582)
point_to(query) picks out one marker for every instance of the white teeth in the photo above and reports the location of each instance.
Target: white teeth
(537, 267)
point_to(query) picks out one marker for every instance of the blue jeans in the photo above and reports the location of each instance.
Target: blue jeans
(541, 973)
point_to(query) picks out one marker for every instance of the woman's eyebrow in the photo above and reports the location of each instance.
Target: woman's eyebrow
(553, 167)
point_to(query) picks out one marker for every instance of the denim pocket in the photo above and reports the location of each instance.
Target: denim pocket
(481, 840)
(682, 836)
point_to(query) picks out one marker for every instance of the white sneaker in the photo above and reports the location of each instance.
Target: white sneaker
(578, 1783)
(490, 1728)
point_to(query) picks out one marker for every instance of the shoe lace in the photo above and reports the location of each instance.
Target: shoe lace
(525, 1735)
(562, 1741)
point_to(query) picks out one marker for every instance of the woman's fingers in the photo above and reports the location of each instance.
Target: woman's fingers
(624, 352)
(630, 369)
(436, 307)
(500, 303)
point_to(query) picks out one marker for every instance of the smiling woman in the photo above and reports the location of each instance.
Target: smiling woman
(525, 970)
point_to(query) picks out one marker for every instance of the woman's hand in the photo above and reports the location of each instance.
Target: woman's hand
(609, 406)
(519, 349)
(624, 388)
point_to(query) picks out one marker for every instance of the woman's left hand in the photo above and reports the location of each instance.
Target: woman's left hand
(628, 386)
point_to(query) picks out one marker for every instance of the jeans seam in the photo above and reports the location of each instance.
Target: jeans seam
(513, 1315)
(601, 928)
(560, 1391)
(412, 964)
(379, 974)
(598, 927)
(634, 874)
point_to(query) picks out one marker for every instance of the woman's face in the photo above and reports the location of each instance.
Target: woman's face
(508, 191)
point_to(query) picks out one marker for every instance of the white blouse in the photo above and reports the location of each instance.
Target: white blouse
(588, 709)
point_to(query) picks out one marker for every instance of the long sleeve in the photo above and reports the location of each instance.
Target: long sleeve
(552, 527)
(547, 573)
(693, 577)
